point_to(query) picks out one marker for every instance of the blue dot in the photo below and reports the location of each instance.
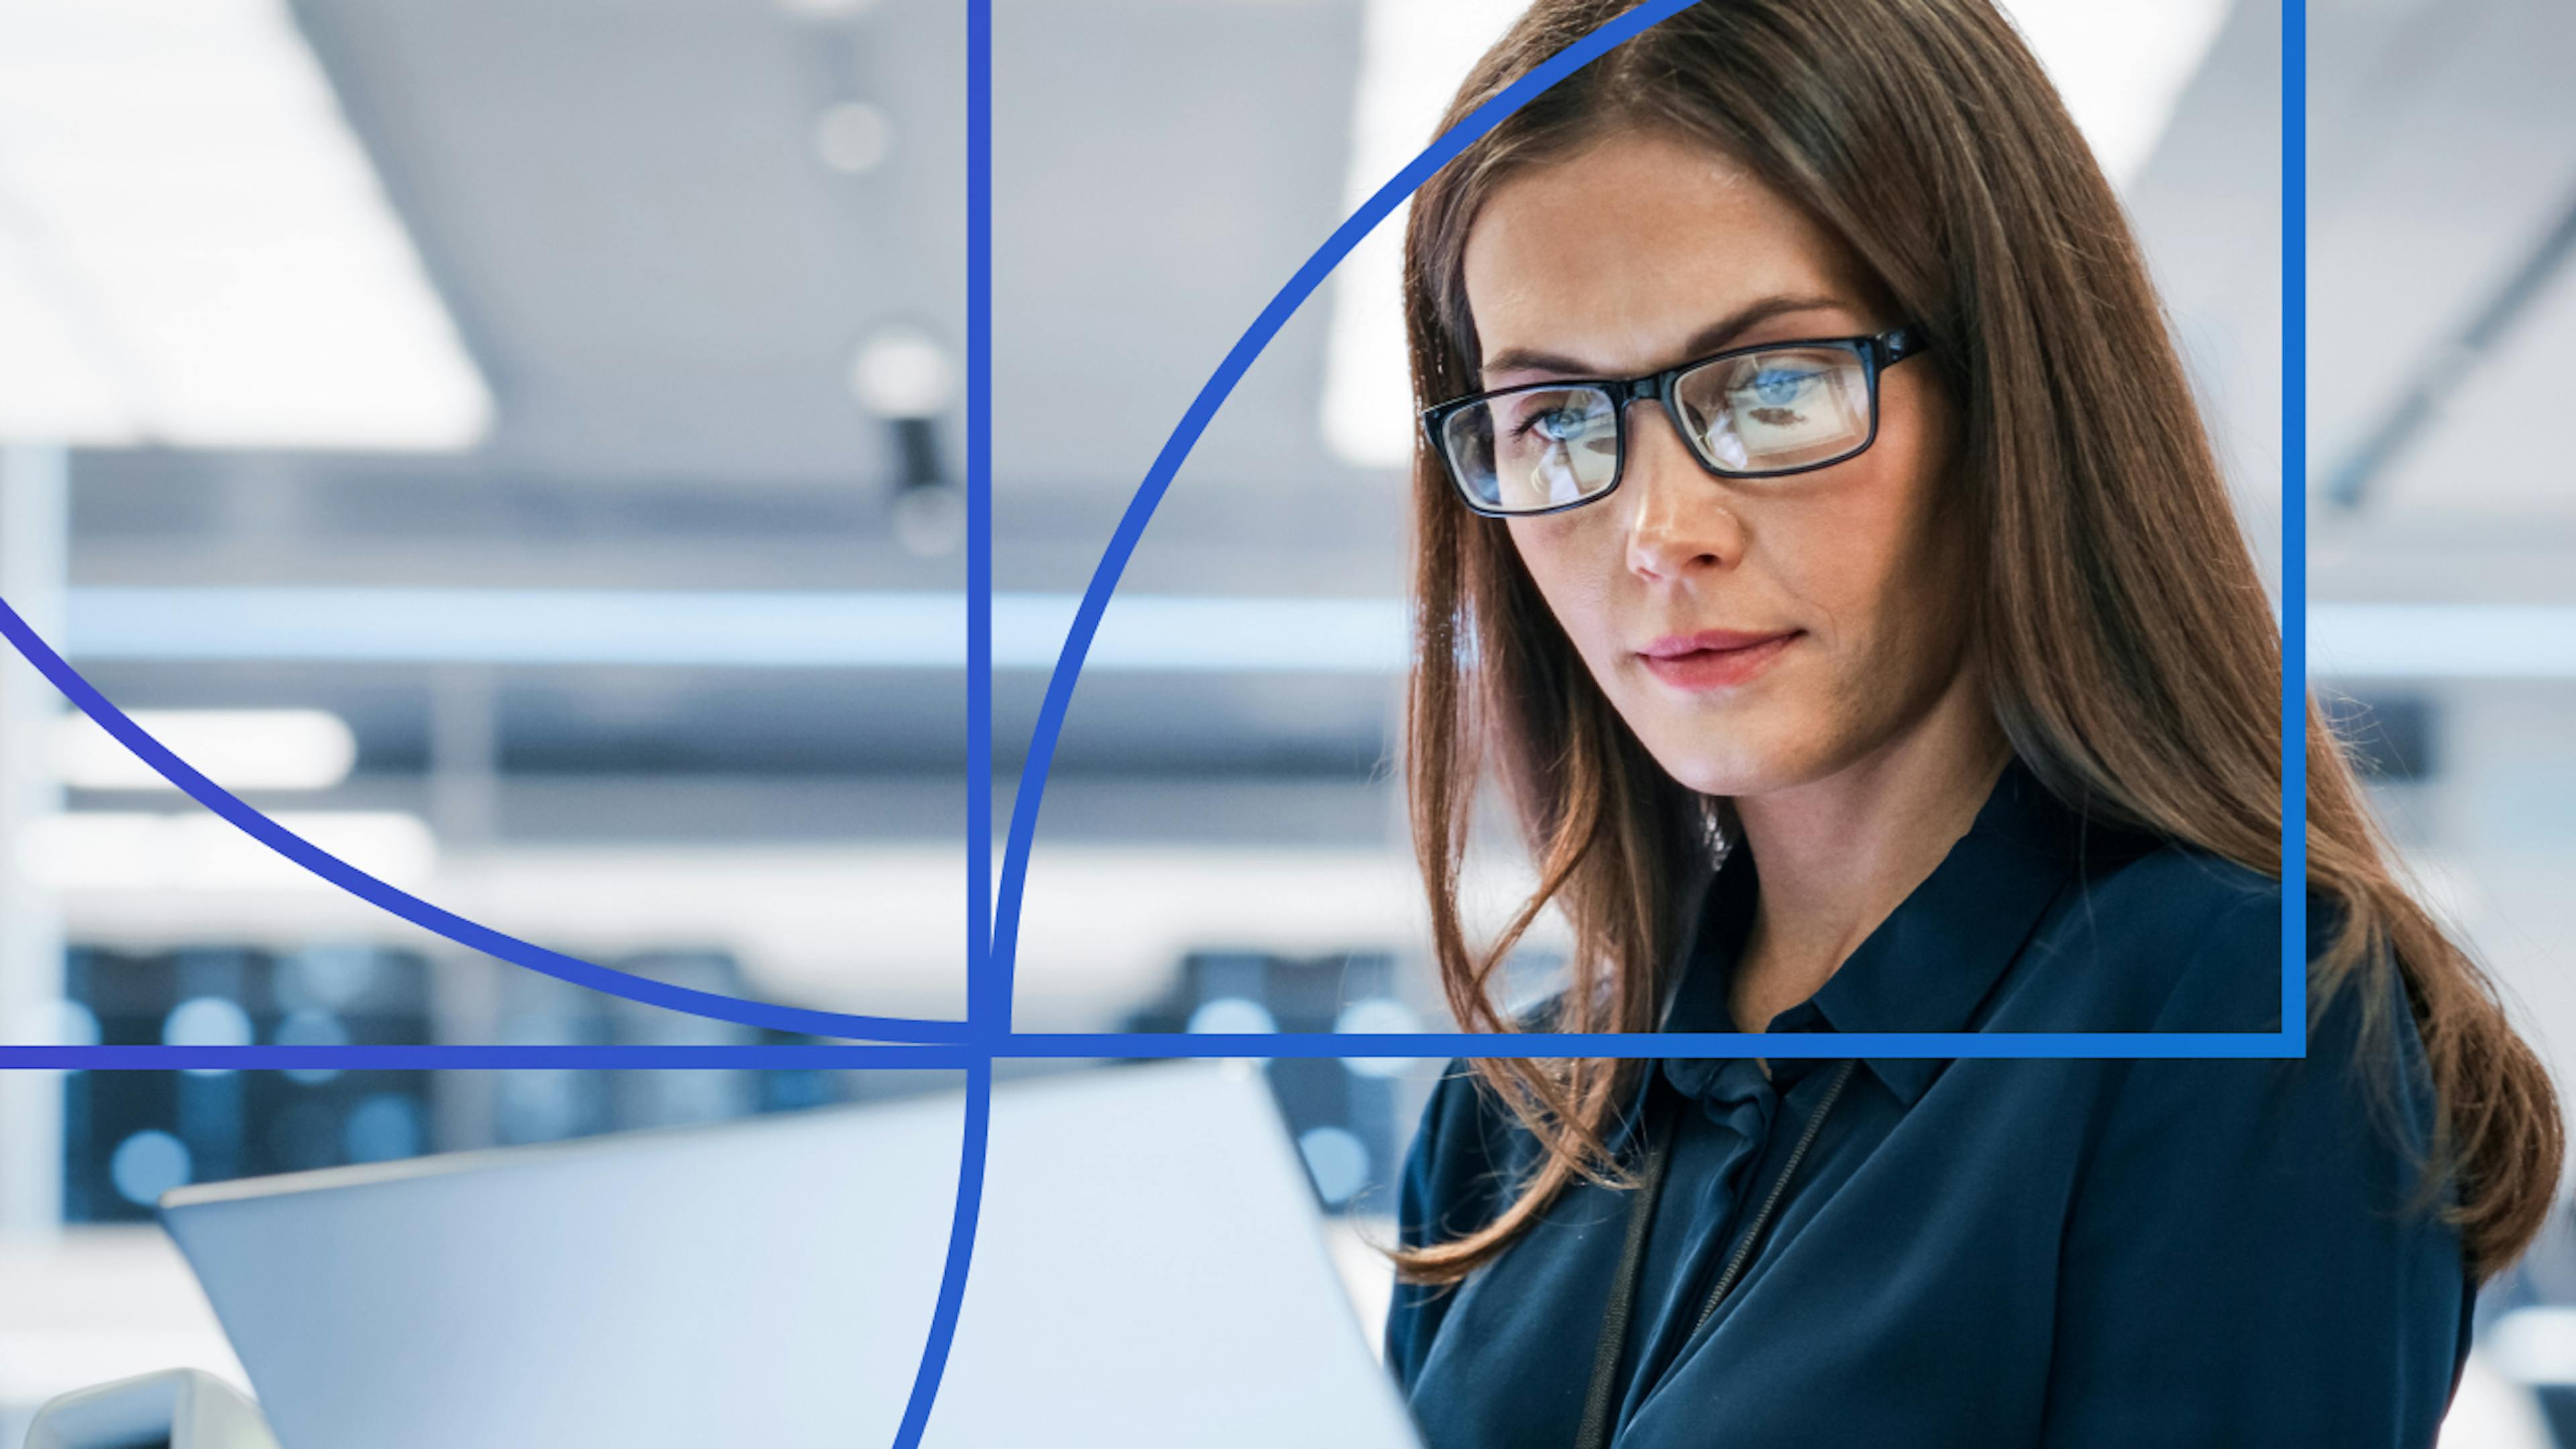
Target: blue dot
(206, 1021)
(1337, 1160)
(381, 1128)
(1377, 1014)
(311, 1028)
(59, 1022)
(321, 978)
(148, 1164)
(1232, 1015)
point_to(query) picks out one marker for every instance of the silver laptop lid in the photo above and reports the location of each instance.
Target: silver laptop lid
(1148, 1271)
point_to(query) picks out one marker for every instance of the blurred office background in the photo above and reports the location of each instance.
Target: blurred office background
(519, 442)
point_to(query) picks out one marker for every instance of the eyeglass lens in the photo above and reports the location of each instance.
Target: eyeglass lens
(1761, 412)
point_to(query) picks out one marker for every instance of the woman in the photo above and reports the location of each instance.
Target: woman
(1819, 541)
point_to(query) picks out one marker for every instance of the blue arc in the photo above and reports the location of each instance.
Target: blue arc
(991, 988)
(989, 970)
(983, 1021)
(1176, 449)
(431, 918)
(961, 1244)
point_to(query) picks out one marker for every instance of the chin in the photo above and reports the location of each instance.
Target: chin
(1730, 772)
(1730, 743)
(1752, 747)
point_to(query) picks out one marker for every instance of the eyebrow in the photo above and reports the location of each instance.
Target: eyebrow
(1712, 338)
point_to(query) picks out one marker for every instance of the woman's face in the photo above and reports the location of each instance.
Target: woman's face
(1628, 258)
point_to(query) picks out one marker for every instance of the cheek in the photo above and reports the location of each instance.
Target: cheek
(1841, 558)
(1875, 559)
(1574, 560)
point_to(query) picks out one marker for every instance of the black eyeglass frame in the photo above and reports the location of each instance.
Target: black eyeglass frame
(1877, 354)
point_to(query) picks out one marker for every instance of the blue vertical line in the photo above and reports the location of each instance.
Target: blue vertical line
(2294, 524)
(988, 1003)
(994, 1015)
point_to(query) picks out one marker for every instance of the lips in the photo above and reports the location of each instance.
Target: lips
(1715, 658)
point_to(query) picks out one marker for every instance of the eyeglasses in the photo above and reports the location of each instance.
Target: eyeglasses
(1753, 412)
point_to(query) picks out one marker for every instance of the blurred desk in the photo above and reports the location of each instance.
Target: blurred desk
(97, 1304)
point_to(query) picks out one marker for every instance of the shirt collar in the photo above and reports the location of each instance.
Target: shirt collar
(1926, 967)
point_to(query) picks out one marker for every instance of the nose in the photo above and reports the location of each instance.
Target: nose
(1679, 523)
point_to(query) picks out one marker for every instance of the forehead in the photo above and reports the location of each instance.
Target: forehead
(1629, 247)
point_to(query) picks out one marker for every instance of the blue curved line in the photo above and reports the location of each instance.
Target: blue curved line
(1176, 449)
(421, 913)
(961, 1249)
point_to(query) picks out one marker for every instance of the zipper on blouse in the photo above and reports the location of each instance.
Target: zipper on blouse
(1779, 1188)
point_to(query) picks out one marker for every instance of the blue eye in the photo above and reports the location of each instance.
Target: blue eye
(1562, 424)
(1780, 386)
(1558, 424)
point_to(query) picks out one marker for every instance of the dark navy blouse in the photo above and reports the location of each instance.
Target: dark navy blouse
(1984, 1252)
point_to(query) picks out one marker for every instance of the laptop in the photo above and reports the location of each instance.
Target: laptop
(1149, 1270)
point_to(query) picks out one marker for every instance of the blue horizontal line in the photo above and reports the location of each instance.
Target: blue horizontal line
(1429, 1046)
(1941, 1045)
(467, 1058)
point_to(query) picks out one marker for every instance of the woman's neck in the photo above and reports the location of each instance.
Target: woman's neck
(1837, 855)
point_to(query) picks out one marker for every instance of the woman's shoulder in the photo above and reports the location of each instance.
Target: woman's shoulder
(2169, 937)
(2183, 898)
(2174, 939)
(2179, 940)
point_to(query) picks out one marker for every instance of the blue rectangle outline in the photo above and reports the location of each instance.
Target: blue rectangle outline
(987, 991)
(2290, 1041)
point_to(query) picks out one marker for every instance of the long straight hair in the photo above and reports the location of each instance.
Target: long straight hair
(2132, 659)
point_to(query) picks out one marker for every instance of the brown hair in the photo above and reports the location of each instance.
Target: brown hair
(2132, 659)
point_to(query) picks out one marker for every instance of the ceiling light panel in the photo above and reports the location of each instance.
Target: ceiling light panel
(195, 249)
(141, 850)
(239, 749)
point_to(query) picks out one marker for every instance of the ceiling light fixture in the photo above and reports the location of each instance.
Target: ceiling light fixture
(139, 850)
(853, 137)
(902, 372)
(194, 248)
(239, 749)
